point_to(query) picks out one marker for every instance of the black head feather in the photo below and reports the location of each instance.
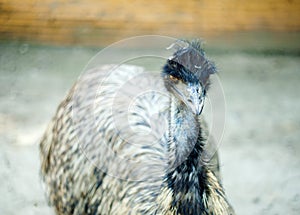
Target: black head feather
(189, 63)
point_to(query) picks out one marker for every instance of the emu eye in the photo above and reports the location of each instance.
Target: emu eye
(173, 78)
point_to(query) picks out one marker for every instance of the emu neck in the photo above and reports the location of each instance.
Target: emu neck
(184, 133)
(186, 177)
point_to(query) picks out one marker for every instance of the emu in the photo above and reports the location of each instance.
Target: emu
(111, 150)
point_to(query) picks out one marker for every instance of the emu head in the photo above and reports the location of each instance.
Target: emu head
(186, 74)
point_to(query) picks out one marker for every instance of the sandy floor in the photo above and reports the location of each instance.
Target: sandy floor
(260, 149)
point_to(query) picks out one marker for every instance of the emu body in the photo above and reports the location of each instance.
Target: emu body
(109, 151)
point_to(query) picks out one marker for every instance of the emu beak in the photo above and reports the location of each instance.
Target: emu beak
(192, 95)
(196, 99)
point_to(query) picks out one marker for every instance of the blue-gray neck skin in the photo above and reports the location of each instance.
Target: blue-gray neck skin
(184, 130)
(186, 177)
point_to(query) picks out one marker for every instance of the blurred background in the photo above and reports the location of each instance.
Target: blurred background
(44, 45)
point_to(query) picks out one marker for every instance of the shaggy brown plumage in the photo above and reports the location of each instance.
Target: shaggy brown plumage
(102, 154)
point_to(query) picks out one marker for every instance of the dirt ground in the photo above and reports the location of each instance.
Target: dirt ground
(260, 148)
